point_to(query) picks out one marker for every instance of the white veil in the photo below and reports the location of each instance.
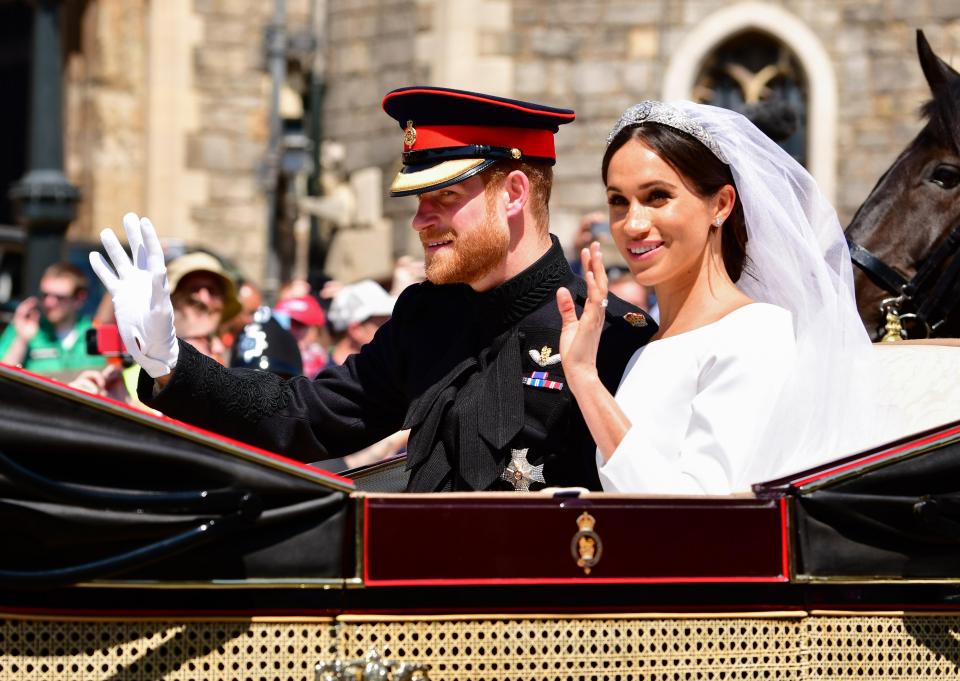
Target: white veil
(797, 258)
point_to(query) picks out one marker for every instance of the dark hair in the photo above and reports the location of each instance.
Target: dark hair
(703, 172)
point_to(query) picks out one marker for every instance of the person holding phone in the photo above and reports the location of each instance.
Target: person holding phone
(48, 332)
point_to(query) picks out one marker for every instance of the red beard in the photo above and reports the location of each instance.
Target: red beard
(470, 255)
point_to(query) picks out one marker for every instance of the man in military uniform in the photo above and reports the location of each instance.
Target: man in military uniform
(469, 360)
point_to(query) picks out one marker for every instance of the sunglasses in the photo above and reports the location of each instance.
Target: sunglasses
(59, 298)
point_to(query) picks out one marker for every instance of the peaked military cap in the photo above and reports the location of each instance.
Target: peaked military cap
(451, 135)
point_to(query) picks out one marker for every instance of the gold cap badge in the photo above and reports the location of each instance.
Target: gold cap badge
(409, 135)
(635, 319)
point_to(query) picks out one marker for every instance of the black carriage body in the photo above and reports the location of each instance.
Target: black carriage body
(163, 551)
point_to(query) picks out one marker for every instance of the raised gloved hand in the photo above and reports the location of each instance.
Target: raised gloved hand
(141, 295)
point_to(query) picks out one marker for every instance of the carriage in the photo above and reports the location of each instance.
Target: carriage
(137, 547)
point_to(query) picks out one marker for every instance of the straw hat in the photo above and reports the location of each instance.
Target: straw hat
(199, 261)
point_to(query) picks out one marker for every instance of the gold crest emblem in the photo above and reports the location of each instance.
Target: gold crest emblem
(635, 319)
(409, 135)
(586, 546)
(515, 154)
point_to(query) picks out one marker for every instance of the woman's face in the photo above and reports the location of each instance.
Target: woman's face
(659, 224)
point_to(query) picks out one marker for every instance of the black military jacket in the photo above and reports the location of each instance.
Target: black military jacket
(475, 376)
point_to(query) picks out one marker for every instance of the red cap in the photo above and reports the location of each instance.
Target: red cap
(304, 309)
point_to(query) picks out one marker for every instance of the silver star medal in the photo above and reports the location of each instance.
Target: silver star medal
(520, 473)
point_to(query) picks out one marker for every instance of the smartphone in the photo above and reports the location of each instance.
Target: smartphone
(600, 228)
(105, 340)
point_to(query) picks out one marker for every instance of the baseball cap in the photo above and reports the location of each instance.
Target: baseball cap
(358, 302)
(304, 309)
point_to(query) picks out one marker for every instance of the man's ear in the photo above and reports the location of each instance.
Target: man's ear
(516, 187)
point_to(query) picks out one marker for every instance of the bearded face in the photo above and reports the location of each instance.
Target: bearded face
(472, 254)
(464, 235)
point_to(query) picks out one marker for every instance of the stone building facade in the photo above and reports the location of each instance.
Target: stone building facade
(167, 101)
(167, 106)
(858, 57)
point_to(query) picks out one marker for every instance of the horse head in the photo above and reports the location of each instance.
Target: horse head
(916, 202)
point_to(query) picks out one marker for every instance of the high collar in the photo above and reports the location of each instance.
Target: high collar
(515, 298)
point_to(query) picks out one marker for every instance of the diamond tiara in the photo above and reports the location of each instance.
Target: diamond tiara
(657, 112)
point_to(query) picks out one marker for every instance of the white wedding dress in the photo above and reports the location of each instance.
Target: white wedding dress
(699, 403)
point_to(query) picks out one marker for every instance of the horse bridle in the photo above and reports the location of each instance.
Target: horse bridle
(932, 300)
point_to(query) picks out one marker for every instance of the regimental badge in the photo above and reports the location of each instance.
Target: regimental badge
(541, 379)
(586, 546)
(544, 356)
(635, 319)
(520, 472)
(409, 135)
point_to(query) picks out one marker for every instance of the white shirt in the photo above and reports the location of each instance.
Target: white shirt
(698, 403)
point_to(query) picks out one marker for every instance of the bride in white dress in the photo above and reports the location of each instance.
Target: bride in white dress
(751, 374)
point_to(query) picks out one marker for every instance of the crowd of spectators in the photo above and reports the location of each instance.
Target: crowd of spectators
(220, 314)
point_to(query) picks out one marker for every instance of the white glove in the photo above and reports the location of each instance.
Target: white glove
(141, 295)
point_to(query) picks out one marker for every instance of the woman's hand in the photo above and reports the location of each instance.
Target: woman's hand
(580, 338)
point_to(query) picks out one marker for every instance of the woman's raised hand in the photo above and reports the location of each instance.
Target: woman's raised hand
(580, 338)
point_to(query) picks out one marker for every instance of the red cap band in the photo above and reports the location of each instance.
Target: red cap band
(530, 141)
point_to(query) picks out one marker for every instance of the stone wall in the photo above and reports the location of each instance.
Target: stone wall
(595, 56)
(881, 84)
(599, 56)
(104, 115)
(232, 88)
(198, 172)
(372, 49)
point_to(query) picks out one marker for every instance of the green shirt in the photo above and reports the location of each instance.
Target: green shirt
(48, 354)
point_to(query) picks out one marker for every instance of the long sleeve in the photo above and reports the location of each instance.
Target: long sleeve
(706, 400)
(342, 410)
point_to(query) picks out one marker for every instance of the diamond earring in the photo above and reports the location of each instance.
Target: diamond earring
(718, 221)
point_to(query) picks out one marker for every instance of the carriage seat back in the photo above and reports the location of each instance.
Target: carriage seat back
(921, 382)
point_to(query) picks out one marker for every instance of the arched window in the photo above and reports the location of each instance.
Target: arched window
(815, 78)
(757, 75)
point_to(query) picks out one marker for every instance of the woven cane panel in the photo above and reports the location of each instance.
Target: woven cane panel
(600, 649)
(911, 647)
(142, 651)
(604, 649)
